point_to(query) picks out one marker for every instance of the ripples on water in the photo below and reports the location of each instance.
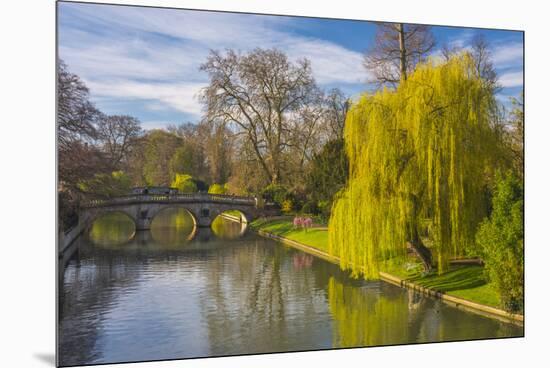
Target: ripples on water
(175, 293)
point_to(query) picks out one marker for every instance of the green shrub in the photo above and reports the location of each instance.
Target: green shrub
(287, 206)
(218, 189)
(118, 183)
(310, 207)
(501, 240)
(275, 193)
(184, 183)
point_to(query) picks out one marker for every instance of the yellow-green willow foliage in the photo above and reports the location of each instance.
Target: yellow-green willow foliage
(419, 159)
(368, 318)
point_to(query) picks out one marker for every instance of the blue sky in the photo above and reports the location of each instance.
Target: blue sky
(145, 62)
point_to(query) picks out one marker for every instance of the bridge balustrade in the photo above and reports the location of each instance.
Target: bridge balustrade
(176, 198)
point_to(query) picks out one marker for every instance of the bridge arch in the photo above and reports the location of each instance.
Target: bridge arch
(204, 208)
(91, 216)
(229, 213)
(229, 225)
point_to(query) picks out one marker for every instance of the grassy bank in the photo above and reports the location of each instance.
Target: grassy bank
(464, 281)
(316, 238)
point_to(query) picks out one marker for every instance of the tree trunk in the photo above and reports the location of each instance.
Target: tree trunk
(422, 252)
(402, 51)
(415, 243)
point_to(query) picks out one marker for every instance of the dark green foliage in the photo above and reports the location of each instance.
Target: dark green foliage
(501, 240)
(117, 184)
(202, 186)
(310, 207)
(275, 193)
(328, 174)
(159, 150)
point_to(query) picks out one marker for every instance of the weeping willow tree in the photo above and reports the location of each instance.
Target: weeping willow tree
(420, 158)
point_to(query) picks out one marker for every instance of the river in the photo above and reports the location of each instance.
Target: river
(177, 292)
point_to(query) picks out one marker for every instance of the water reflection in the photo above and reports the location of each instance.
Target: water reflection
(302, 260)
(112, 229)
(209, 296)
(377, 313)
(225, 229)
(173, 227)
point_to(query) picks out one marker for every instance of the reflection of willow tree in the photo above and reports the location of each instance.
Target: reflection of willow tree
(369, 316)
(365, 317)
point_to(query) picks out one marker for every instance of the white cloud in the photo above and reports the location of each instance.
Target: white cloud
(508, 55)
(462, 41)
(512, 79)
(155, 54)
(180, 96)
(136, 60)
(156, 124)
(221, 29)
(330, 63)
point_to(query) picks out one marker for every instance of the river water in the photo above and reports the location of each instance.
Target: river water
(176, 292)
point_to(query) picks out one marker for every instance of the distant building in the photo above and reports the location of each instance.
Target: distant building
(154, 190)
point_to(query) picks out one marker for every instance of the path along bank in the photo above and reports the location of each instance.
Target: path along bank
(315, 242)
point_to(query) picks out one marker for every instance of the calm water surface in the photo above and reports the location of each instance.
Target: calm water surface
(176, 292)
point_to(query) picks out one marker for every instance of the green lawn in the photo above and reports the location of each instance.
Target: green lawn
(315, 238)
(465, 281)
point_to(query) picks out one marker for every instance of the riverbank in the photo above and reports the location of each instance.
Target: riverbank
(462, 286)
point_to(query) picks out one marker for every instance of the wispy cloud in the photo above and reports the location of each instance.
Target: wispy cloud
(156, 124)
(181, 96)
(331, 63)
(150, 58)
(462, 40)
(508, 55)
(155, 54)
(512, 79)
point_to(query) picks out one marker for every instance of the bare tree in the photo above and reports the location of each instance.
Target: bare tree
(396, 50)
(117, 135)
(78, 158)
(307, 133)
(337, 106)
(481, 53)
(76, 115)
(484, 66)
(516, 133)
(262, 95)
(219, 144)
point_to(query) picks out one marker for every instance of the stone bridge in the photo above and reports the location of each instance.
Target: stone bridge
(204, 208)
